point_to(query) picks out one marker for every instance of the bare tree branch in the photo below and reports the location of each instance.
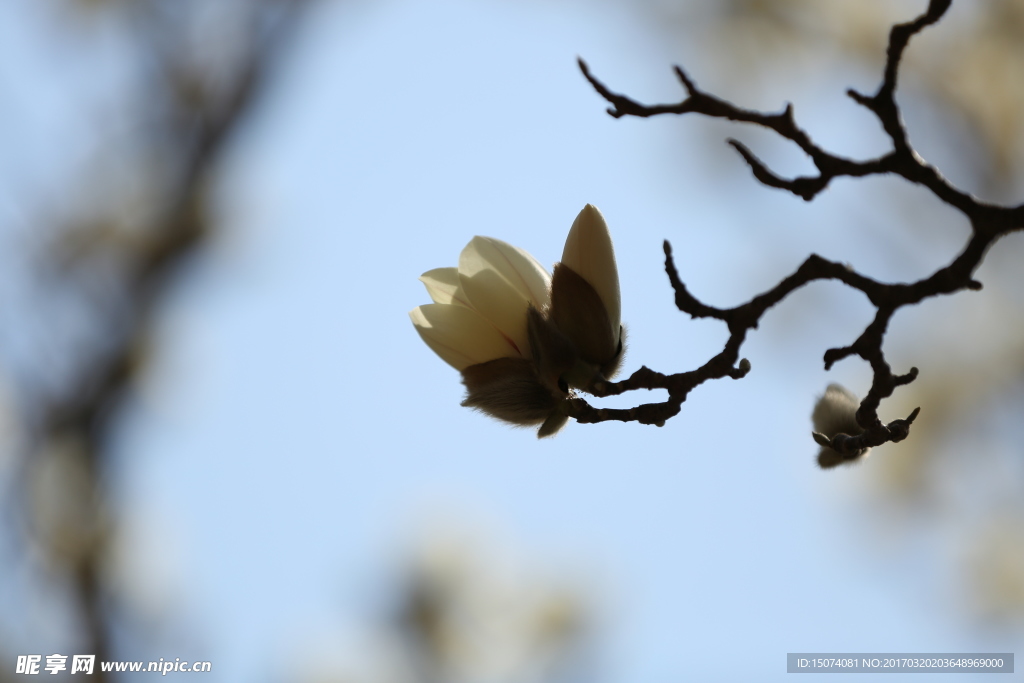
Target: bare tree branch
(988, 222)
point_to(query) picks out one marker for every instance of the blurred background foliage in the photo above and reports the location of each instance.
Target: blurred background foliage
(110, 225)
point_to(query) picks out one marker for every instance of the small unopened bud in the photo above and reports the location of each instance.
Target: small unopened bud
(835, 414)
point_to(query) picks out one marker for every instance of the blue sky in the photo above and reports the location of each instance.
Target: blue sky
(294, 437)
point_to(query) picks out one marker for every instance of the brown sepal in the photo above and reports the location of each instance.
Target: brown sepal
(508, 389)
(579, 313)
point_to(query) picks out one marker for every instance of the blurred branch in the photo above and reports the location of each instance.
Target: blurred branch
(198, 130)
(988, 223)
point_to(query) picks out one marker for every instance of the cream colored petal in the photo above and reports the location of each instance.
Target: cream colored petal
(460, 335)
(500, 282)
(589, 252)
(836, 412)
(443, 286)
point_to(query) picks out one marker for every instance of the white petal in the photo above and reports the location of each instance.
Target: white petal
(836, 411)
(500, 281)
(460, 335)
(443, 286)
(588, 251)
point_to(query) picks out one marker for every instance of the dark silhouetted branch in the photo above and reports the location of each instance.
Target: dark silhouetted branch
(988, 222)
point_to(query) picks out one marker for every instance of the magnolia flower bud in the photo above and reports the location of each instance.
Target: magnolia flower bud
(520, 338)
(485, 322)
(836, 413)
(585, 301)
